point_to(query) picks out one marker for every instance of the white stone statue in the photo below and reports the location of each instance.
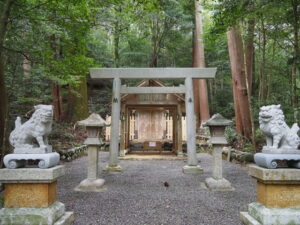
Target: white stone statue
(32, 136)
(278, 134)
(30, 140)
(282, 141)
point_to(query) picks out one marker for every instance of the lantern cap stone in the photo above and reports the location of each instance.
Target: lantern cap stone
(94, 120)
(217, 120)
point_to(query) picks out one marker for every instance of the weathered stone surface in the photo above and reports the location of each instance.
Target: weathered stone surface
(288, 175)
(270, 161)
(94, 120)
(31, 175)
(218, 184)
(278, 195)
(32, 216)
(36, 130)
(247, 219)
(274, 216)
(278, 134)
(192, 169)
(66, 219)
(91, 185)
(29, 195)
(270, 150)
(109, 169)
(13, 161)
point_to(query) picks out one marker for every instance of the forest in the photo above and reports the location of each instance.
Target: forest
(48, 46)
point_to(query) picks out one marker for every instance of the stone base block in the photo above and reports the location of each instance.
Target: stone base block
(273, 216)
(31, 175)
(29, 195)
(123, 152)
(47, 160)
(278, 195)
(90, 185)
(109, 169)
(271, 150)
(270, 161)
(33, 150)
(180, 154)
(220, 184)
(34, 216)
(247, 219)
(275, 176)
(66, 219)
(192, 169)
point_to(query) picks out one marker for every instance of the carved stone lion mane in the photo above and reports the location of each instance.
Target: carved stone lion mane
(34, 131)
(278, 134)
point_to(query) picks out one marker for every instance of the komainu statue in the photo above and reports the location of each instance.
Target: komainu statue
(282, 142)
(30, 140)
(33, 133)
(277, 132)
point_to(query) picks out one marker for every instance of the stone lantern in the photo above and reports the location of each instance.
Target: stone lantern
(93, 124)
(217, 124)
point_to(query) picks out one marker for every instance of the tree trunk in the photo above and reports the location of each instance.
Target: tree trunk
(116, 39)
(77, 101)
(200, 91)
(154, 43)
(57, 102)
(56, 92)
(116, 49)
(296, 58)
(249, 54)
(236, 55)
(6, 8)
(263, 86)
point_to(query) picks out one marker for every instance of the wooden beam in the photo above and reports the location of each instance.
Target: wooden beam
(152, 73)
(153, 90)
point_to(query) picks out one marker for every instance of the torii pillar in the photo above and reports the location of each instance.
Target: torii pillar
(192, 166)
(153, 73)
(113, 165)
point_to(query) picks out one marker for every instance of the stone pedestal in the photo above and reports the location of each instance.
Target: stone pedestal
(111, 168)
(278, 197)
(192, 169)
(30, 197)
(217, 182)
(92, 183)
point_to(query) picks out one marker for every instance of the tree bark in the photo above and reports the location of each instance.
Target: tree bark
(236, 55)
(77, 101)
(200, 85)
(7, 4)
(296, 59)
(56, 92)
(57, 102)
(249, 54)
(263, 86)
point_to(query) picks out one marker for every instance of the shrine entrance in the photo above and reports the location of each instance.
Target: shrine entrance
(152, 130)
(188, 74)
(151, 121)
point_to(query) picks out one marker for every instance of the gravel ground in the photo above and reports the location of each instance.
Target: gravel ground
(137, 196)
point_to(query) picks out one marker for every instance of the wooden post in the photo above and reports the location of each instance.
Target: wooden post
(127, 121)
(174, 131)
(123, 132)
(179, 131)
(115, 121)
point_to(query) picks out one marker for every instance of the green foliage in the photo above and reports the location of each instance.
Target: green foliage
(48, 37)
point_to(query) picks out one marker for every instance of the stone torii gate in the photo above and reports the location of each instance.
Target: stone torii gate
(153, 73)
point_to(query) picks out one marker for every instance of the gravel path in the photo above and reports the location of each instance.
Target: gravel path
(137, 196)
